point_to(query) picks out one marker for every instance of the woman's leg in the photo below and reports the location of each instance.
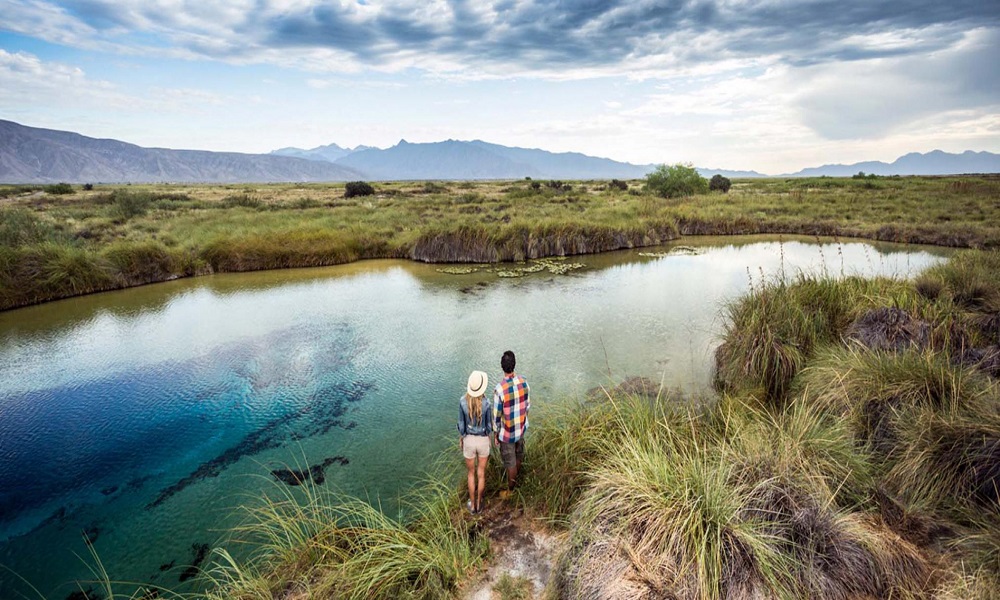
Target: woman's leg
(470, 464)
(481, 472)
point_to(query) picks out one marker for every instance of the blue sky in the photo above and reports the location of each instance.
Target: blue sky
(768, 85)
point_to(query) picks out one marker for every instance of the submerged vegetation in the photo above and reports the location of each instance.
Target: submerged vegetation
(68, 241)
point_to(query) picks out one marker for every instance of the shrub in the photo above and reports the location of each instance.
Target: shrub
(17, 190)
(429, 188)
(617, 184)
(358, 188)
(720, 183)
(88, 187)
(125, 204)
(676, 180)
(244, 200)
(21, 227)
(139, 262)
(58, 188)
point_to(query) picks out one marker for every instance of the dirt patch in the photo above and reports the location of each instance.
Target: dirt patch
(521, 548)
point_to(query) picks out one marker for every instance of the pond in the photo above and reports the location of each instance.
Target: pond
(142, 418)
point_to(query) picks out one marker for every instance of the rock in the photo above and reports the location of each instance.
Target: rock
(889, 329)
(200, 552)
(316, 473)
(985, 359)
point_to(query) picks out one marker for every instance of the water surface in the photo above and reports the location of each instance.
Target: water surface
(141, 418)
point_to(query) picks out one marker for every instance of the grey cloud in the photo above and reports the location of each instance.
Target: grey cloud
(539, 34)
(849, 103)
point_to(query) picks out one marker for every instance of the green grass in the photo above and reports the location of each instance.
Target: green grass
(324, 545)
(240, 227)
(513, 588)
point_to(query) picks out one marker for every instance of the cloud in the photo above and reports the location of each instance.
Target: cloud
(30, 83)
(643, 38)
(872, 98)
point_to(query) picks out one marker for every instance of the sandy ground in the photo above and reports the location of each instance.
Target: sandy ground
(521, 547)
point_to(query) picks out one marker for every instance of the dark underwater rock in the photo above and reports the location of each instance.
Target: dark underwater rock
(324, 411)
(91, 533)
(87, 594)
(316, 473)
(200, 553)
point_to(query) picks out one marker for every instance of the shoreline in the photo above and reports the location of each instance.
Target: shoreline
(110, 238)
(483, 255)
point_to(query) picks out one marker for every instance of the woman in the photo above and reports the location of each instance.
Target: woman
(475, 424)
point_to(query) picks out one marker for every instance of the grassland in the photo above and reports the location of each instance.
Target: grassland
(55, 244)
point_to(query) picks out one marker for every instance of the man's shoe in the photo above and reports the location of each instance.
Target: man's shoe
(468, 505)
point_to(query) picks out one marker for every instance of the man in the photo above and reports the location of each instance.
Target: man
(510, 414)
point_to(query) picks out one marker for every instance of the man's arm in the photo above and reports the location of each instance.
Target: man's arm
(497, 413)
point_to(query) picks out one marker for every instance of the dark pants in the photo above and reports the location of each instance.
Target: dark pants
(512, 453)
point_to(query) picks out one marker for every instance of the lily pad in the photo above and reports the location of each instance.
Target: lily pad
(457, 270)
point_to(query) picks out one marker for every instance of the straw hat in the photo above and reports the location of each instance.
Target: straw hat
(477, 384)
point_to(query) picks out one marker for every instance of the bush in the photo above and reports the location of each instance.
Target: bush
(676, 180)
(21, 227)
(617, 184)
(126, 204)
(358, 188)
(88, 187)
(58, 188)
(720, 183)
(244, 200)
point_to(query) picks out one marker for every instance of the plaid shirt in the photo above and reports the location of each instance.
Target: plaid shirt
(510, 408)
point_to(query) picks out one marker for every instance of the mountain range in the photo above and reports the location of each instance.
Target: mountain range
(454, 159)
(935, 162)
(34, 155)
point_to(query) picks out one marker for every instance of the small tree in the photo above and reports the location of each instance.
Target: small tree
(358, 188)
(720, 183)
(676, 180)
(617, 184)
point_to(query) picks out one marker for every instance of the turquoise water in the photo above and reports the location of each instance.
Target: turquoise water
(142, 418)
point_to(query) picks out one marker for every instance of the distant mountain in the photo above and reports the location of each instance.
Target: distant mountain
(729, 173)
(454, 159)
(450, 159)
(914, 163)
(328, 153)
(33, 155)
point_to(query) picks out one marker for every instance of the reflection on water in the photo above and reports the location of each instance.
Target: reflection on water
(141, 418)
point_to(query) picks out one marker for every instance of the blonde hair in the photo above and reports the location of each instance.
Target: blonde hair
(475, 408)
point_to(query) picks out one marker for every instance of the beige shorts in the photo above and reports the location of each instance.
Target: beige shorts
(476, 445)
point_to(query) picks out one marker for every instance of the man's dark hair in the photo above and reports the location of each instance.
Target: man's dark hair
(507, 362)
